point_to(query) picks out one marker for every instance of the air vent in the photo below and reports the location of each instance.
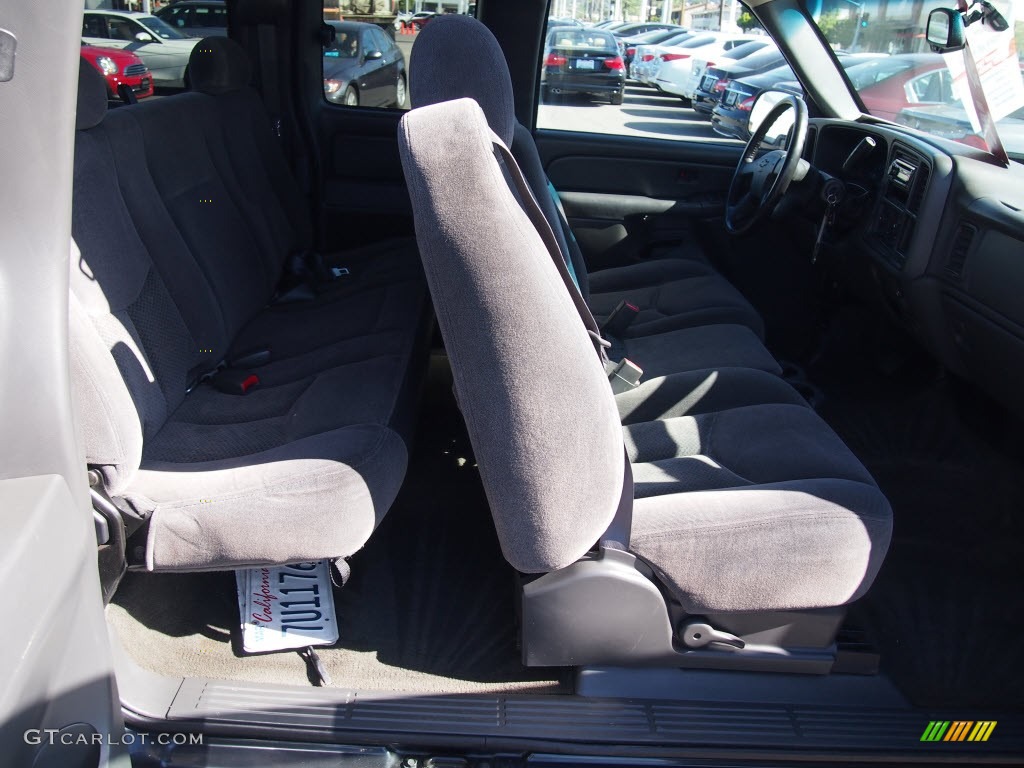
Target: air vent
(961, 246)
(920, 187)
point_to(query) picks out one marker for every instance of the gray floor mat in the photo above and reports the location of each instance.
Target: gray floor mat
(945, 610)
(429, 606)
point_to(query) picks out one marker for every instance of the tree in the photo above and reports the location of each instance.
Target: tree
(746, 21)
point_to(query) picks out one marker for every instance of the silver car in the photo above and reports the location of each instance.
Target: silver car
(164, 49)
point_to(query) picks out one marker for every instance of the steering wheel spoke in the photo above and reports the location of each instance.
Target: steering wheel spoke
(759, 182)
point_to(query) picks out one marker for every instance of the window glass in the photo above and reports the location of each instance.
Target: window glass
(162, 30)
(391, 27)
(176, 17)
(635, 78)
(123, 29)
(906, 82)
(93, 26)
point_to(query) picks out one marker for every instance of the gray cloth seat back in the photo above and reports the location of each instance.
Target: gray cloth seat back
(446, 44)
(540, 414)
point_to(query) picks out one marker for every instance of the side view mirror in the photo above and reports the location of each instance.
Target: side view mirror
(372, 55)
(945, 30)
(144, 37)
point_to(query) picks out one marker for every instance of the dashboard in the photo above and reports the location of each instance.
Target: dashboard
(936, 234)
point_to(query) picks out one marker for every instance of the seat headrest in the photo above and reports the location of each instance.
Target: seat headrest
(458, 57)
(92, 97)
(218, 65)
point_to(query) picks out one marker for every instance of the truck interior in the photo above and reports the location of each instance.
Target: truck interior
(645, 469)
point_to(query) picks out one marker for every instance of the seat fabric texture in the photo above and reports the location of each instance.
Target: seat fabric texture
(747, 507)
(303, 466)
(671, 293)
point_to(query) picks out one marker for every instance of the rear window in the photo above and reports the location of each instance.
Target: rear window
(573, 37)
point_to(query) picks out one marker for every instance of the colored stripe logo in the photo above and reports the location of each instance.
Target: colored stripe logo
(958, 730)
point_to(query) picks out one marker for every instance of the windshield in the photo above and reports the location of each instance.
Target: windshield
(161, 29)
(907, 83)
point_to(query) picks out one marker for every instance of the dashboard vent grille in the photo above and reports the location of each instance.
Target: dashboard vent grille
(920, 187)
(958, 253)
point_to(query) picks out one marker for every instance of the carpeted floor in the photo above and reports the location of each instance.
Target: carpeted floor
(946, 609)
(429, 607)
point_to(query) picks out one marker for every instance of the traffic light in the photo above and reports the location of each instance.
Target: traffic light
(864, 19)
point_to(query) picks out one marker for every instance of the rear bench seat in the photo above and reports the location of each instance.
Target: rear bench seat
(183, 242)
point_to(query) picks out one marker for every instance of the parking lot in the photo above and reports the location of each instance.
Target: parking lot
(644, 112)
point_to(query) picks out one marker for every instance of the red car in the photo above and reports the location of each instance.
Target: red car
(890, 84)
(118, 66)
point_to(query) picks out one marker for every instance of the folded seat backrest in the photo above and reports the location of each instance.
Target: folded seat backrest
(535, 397)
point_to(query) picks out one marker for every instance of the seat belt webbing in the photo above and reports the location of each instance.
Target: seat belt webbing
(539, 220)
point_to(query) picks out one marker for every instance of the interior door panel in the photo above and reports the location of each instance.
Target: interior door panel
(363, 193)
(55, 659)
(629, 196)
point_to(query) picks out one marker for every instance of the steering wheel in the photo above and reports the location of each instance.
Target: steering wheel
(759, 182)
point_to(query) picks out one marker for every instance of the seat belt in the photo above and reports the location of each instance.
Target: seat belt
(622, 374)
(268, 76)
(617, 535)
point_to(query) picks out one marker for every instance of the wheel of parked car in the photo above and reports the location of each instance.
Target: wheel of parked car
(401, 94)
(616, 98)
(760, 180)
(351, 97)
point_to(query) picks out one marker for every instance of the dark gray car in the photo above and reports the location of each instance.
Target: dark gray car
(364, 67)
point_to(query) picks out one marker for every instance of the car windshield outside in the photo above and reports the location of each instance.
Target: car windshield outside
(912, 85)
(161, 29)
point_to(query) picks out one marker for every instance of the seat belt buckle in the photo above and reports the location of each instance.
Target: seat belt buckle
(620, 319)
(623, 375)
(232, 382)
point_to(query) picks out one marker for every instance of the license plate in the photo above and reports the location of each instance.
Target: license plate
(730, 98)
(585, 64)
(285, 607)
(708, 83)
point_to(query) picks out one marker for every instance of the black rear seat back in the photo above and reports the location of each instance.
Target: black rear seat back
(241, 129)
(118, 285)
(240, 267)
(304, 466)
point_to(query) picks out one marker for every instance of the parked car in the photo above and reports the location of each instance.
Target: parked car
(717, 77)
(889, 85)
(731, 117)
(120, 67)
(655, 36)
(736, 53)
(646, 62)
(196, 18)
(677, 65)
(162, 48)
(419, 20)
(635, 28)
(363, 66)
(679, 49)
(584, 60)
